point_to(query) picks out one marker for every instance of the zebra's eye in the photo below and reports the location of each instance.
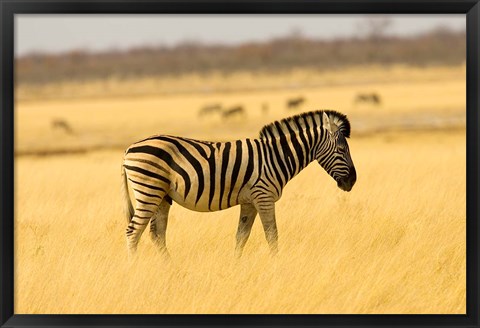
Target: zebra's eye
(341, 144)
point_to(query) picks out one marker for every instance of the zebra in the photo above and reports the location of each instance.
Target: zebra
(373, 98)
(61, 124)
(209, 109)
(295, 102)
(211, 176)
(234, 111)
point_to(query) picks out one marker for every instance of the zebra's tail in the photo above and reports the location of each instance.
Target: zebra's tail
(128, 209)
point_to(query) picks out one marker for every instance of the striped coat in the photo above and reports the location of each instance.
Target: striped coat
(211, 176)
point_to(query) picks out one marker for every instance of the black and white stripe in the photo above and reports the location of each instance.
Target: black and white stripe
(211, 176)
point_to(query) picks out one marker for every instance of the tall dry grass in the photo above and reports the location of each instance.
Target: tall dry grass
(114, 121)
(395, 244)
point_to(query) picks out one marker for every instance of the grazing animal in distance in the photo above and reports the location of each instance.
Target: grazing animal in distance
(61, 124)
(265, 108)
(210, 176)
(294, 103)
(209, 109)
(372, 98)
(236, 111)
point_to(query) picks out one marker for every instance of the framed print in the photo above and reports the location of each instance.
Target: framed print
(200, 163)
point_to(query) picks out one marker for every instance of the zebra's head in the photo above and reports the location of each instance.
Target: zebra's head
(334, 156)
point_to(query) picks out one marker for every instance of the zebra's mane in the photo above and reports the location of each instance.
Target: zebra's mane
(337, 118)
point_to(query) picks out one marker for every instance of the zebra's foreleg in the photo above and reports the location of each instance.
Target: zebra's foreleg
(158, 225)
(267, 216)
(248, 212)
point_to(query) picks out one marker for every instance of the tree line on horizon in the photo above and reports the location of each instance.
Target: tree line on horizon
(437, 47)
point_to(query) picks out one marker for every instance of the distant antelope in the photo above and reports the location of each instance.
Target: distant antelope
(295, 102)
(265, 108)
(61, 124)
(234, 111)
(209, 176)
(373, 98)
(210, 109)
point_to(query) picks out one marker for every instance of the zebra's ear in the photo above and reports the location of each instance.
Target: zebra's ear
(329, 125)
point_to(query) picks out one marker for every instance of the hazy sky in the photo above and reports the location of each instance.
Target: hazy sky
(58, 33)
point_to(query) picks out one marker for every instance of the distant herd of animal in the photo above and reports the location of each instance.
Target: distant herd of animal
(294, 103)
(239, 111)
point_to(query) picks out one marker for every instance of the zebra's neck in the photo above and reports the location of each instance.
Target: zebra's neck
(286, 155)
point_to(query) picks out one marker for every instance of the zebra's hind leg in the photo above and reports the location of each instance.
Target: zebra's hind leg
(267, 216)
(158, 225)
(248, 212)
(144, 211)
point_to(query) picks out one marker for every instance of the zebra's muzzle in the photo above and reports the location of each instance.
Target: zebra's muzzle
(346, 184)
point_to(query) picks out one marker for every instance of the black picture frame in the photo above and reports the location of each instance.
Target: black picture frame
(9, 8)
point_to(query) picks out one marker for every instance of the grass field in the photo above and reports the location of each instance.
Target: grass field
(395, 244)
(111, 121)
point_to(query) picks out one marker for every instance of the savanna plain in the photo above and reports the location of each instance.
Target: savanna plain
(394, 244)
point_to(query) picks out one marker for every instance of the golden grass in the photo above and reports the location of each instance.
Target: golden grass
(117, 121)
(395, 244)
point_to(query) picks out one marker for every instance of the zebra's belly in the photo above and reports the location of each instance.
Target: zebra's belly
(203, 205)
